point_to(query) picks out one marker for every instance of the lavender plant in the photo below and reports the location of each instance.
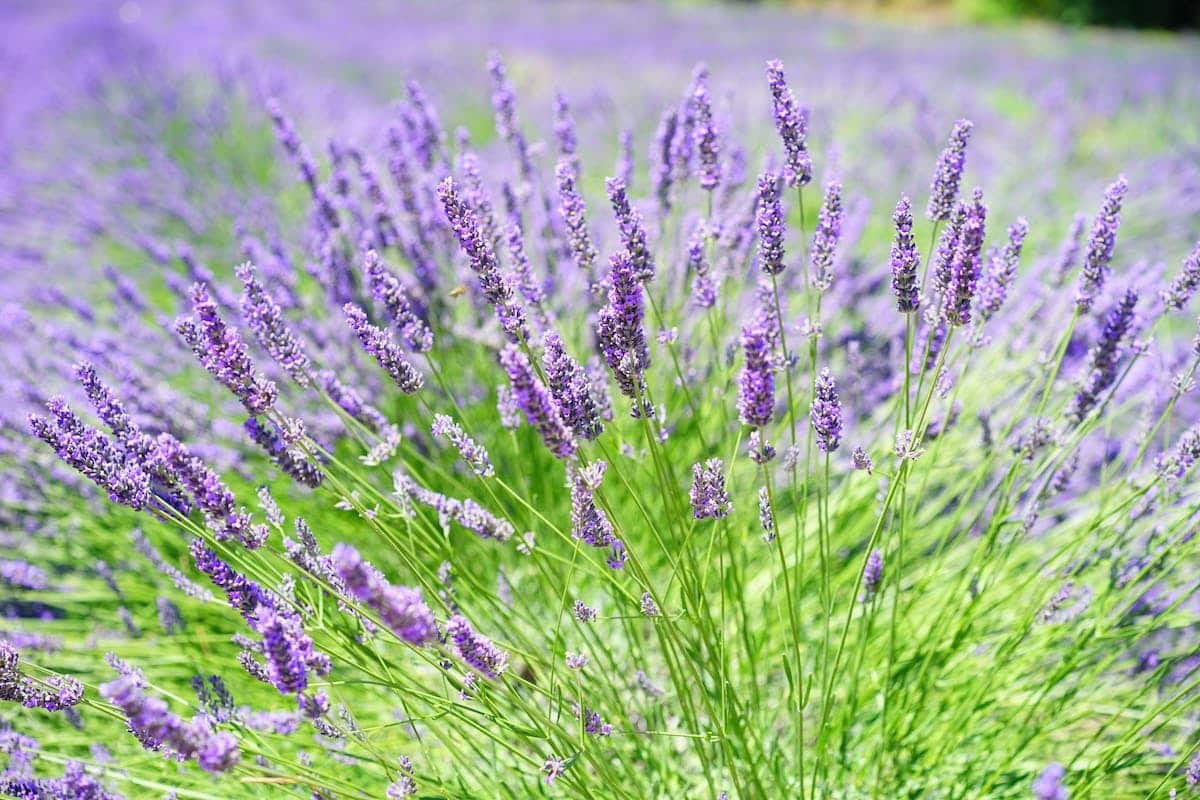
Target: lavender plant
(461, 472)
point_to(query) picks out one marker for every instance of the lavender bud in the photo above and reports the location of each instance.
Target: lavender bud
(948, 174)
(620, 331)
(481, 257)
(1102, 367)
(905, 259)
(400, 608)
(756, 387)
(535, 400)
(769, 220)
(379, 344)
(1101, 243)
(1176, 296)
(792, 123)
(826, 414)
(966, 264)
(632, 230)
(705, 139)
(476, 650)
(826, 236)
(569, 384)
(708, 496)
(1002, 269)
(574, 213)
(473, 454)
(222, 353)
(872, 573)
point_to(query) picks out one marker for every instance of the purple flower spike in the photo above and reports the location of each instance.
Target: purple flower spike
(535, 400)
(93, 455)
(826, 414)
(621, 334)
(705, 136)
(265, 320)
(906, 259)
(291, 460)
(1101, 242)
(966, 264)
(476, 650)
(826, 236)
(399, 306)
(400, 608)
(379, 344)
(943, 190)
(709, 498)
(482, 259)
(632, 230)
(792, 123)
(283, 643)
(872, 574)
(1180, 291)
(1105, 354)
(661, 156)
(589, 523)
(53, 693)
(222, 352)
(1002, 270)
(769, 221)
(569, 383)
(564, 127)
(756, 395)
(472, 453)
(574, 213)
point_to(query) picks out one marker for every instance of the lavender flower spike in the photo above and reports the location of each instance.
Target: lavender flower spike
(379, 344)
(482, 259)
(943, 190)
(476, 650)
(93, 455)
(221, 351)
(400, 608)
(756, 387)
(265, 319)
(589, 523)
(632, 230)
(792, 122)
(769, 219)
(1002, 269)
(966, 264)
(1101, 242)
(708, 496)
(569, 383)
(283, 645)
(826, 236)
(620, 332)
(536, 401)
(826, 414)
(574, 214)
(872, 574)
(661, 156)
(472, 453)
(53, 693)
(1102, 369)
(705, 135)
(1176, 296)
(906, 259)
(391, 294)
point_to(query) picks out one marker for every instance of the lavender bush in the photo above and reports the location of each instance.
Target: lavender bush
(655, 445)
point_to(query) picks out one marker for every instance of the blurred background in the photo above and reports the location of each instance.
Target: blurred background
(1165, 14)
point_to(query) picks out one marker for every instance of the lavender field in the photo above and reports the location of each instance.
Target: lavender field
(595, 401)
